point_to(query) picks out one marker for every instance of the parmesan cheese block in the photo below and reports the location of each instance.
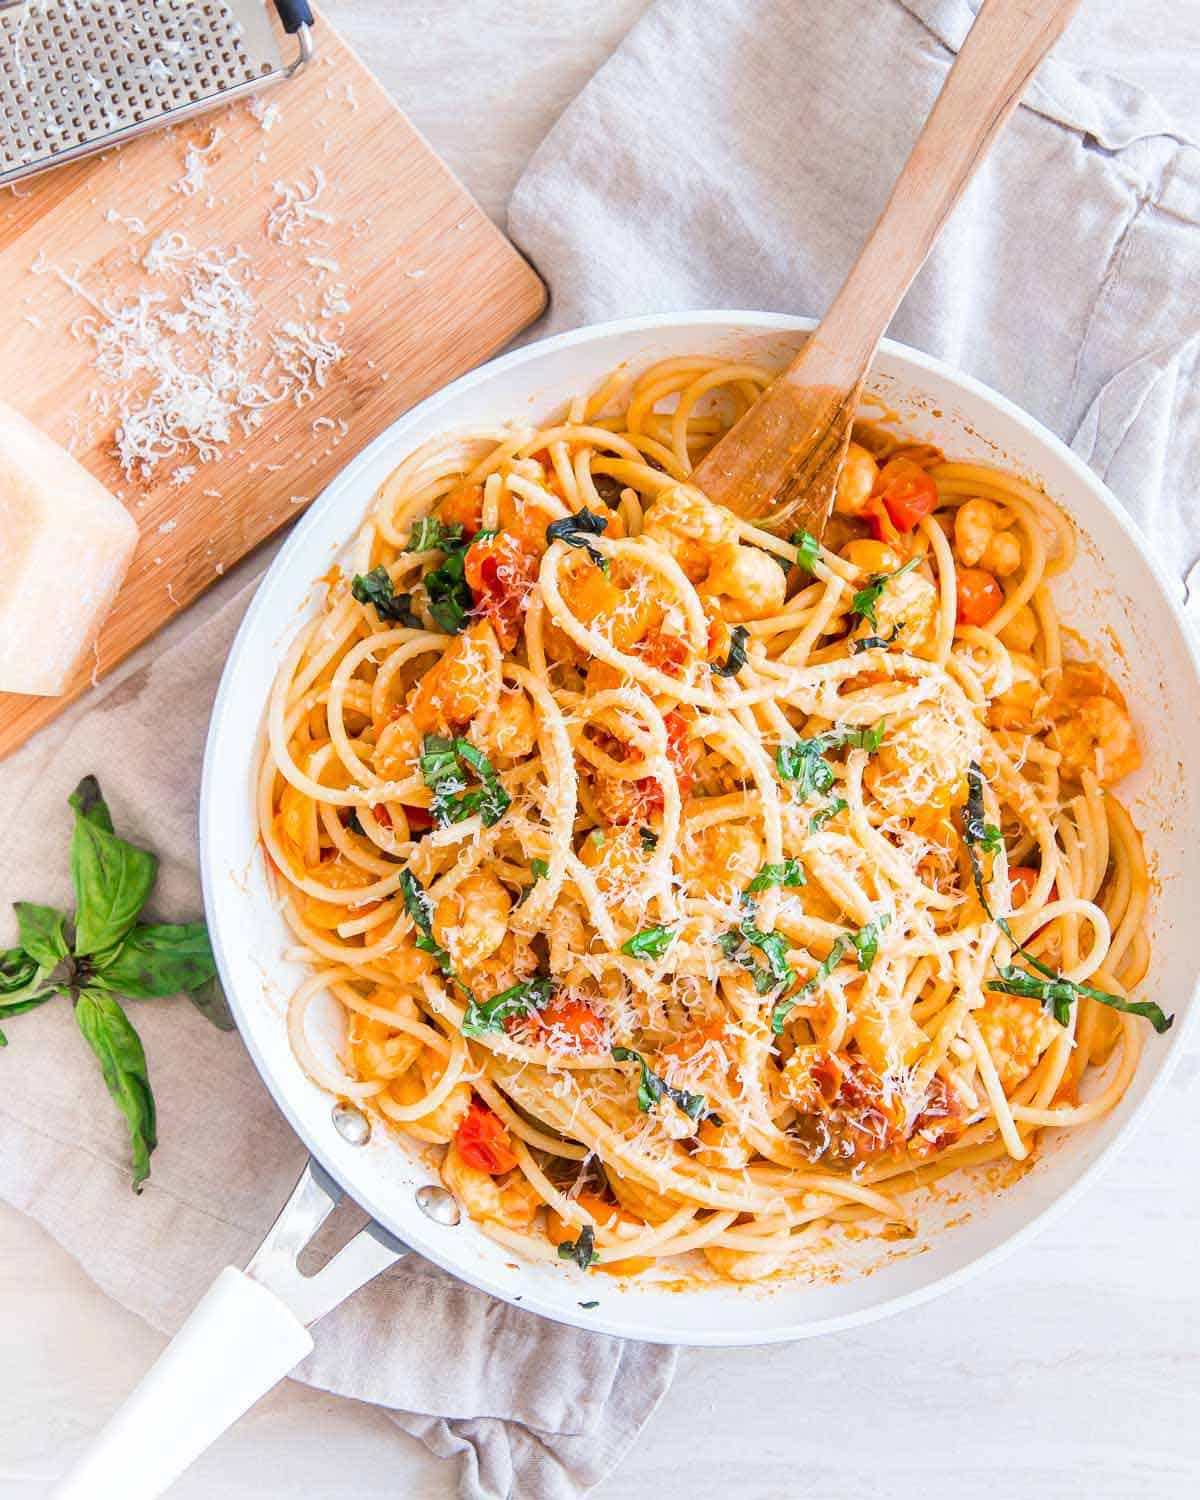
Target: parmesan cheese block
(65, 545)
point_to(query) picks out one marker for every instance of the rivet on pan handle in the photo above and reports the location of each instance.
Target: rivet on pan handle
(246, 1333)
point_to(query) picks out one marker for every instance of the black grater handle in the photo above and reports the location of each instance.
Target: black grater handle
(294, 14)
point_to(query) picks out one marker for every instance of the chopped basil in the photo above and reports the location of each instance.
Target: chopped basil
(587, 1306)
(651, 942)
(450, 597)
(582, 1251)
(375, 588)
(1058, 994)
(651, 1088)
(416, 904)
(866, 939)
(539, 869)
(440, 762)
(785, 1007)
(790, 872)
(831, 810)
(490, 1015)
(735, 943)
(575, 531)
(876, 642)
(428, 533)
(649, 839)
(978, 834)
(736, 659)
(808, 549)
(803, 761)
(354, 825)
(867, 598)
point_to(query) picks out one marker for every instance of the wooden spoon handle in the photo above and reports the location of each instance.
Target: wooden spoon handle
(1002, 49)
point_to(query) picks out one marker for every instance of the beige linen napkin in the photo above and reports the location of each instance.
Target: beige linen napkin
(533, 1408)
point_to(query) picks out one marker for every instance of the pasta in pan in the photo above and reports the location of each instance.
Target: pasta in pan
(694, 888)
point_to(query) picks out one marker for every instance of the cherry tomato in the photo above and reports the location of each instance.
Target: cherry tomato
(668, 653)
(567, 1025)
(419, 819)
(500, 574)
(1021, 879)
(907, 492)
(979, 596)
(483, 1142)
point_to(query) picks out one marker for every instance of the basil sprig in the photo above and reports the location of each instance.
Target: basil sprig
(428, 532)
(652, 1087)
(105, 951)
(1054, 990)
(868, 597)
(651, 942)
(575, 530)
(866, 940)
(803, 761)
(441, 761)
(785, 1007)
(736, 659)
(737, 943)
(582, 1251)
(450, 598)
(376, 588)
(482, 1017)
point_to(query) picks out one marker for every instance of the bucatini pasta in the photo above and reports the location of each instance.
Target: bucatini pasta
(695, 888)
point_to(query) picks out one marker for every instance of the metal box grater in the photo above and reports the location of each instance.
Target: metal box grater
(77, 76)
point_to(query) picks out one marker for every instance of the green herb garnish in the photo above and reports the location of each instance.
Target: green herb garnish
(790, 872)
(375, 588)
(736, 659)
(649, 839)
(736, 943)
(582, 1251)
(651, 942)
(876, 642)
(867, 598)
(785, 1007)
(808, 549)
(416, 904)
(977, 833)
(831, 810)
(104, 951)
(652, 1087)
(428, 533)
(449, 594)
(575, 530)
(866, 939)
(490, 1015)
(803, 761)
(1058, 994)
(441, 761)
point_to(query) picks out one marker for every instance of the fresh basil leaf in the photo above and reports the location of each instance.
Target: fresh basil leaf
(587, 1306)
(831, 810)
(440, 763)
(651, 942)
(375, 588)
(876, 642)
(209, 999)
(112, 878)
(977, 833)
(736, 659)
(772, 945)
(88, 801)
(42, 932)
(539, 869)
(652, 1087)
(518, 1000)
(867, 598)
(428, 532)
(416, 904)
(582, 1251)
(866, 939)
(158, 959)
(575, 530)
(17, 970)
(449, 594)
(122, 1060)
(803, 761)
(785, 1007)
(649, 839)
(790, 873)
(808, 549)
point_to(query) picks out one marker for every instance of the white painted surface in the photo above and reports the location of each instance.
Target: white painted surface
(1072, 1370)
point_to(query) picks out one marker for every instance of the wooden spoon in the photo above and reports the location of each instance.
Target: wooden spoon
(784, 455)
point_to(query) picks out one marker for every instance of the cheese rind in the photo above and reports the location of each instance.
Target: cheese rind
(65, 546)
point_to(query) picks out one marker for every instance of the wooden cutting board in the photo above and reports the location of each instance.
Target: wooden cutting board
(394, 265)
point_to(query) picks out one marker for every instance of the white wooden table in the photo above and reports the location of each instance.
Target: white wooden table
(1072, 1370)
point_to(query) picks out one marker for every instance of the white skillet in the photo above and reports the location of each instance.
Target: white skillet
(251, 1328)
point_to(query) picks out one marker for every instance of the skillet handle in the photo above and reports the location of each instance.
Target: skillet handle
(240, 1340)
(248, 1330)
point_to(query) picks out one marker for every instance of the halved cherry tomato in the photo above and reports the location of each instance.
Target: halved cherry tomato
(1021, 879)
(483, 1142)
(568, 1025)
(907, 492)
(681, 754)
(667, 653)
(979, 596)
(419, 819)
(500, 574)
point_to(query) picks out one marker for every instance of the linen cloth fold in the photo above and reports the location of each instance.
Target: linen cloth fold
(730, 154)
